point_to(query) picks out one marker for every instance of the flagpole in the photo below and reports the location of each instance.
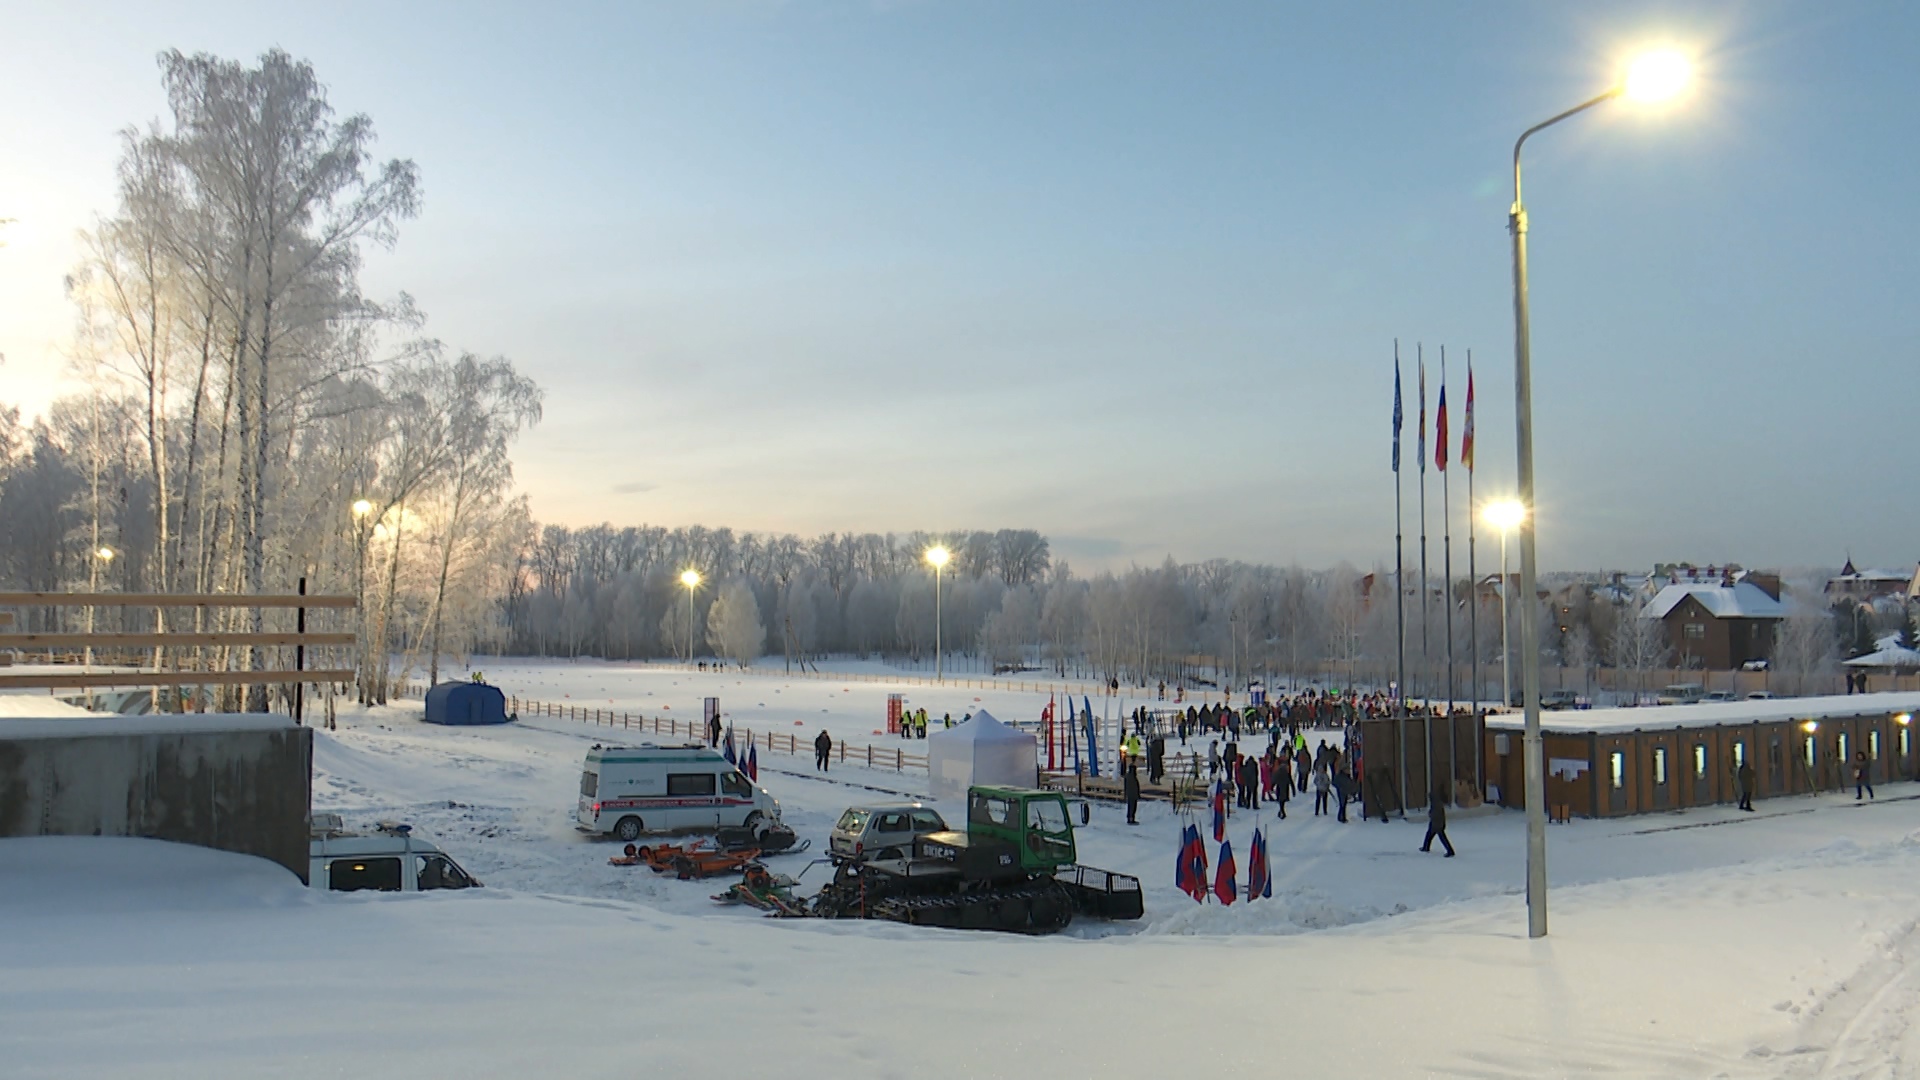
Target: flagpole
(1426, 661)
(1399, 584)
(1446, 546)
(1473, 613)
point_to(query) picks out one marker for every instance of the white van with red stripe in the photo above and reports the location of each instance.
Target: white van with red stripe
(629, 790)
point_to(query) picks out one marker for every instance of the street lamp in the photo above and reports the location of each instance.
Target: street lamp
(938, 556)
(1652, 77)
(691, 579)
(1504, 515)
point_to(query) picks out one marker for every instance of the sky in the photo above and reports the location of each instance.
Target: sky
(1131, 274)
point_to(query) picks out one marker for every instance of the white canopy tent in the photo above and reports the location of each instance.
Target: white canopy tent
(981, 751)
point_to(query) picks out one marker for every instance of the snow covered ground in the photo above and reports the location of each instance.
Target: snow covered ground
(1708, 943)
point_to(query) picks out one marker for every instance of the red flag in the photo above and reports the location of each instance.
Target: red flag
(1219, 811)
(1226, 885)
(1466, 429)
(1440, 432)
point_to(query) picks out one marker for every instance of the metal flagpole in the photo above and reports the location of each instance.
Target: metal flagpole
(1426, 662)
(1473, 613)
(1446, 573)
(1399, 585)
(1421, 458)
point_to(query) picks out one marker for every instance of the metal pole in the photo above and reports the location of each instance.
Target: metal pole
(1446, 575)
(300, 659)
(1536, 772)
(939, 654)
(1506, 652)
(689, 626)
(1400, 595)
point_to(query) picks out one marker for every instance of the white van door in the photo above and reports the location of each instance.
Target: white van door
(691, 798)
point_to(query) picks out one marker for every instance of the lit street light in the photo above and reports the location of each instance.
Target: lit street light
(1504, 515)
(691, 579)
(938, 556)
(1652, 77)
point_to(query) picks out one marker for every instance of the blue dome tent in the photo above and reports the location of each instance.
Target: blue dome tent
(466, 703)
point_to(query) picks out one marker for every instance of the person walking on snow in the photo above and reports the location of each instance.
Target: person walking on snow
(1322, 783)
(1861, 781)
(1437, 823)
(713, 731)
(1130, 785)
(1745, 777)
(822, 750)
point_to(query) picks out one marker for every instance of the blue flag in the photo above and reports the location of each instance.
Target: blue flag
(1398, 417)
(728, 753)
(1093, 743)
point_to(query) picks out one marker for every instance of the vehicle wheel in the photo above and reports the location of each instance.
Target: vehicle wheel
(754, 821)
(627, 828)
(1086, 813)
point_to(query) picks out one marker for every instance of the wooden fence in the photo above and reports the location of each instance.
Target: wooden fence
(776, 742)
(199, 671)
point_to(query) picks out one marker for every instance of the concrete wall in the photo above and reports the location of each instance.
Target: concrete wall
(241, 787)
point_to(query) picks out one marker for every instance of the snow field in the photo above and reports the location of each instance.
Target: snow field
(1708, 943)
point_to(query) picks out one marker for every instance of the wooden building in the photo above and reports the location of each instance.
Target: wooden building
(1721, 625)
(1614, 762)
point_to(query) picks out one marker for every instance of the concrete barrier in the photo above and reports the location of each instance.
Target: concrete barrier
(236, 783)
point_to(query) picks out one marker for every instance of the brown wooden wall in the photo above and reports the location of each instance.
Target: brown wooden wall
(1610, 774)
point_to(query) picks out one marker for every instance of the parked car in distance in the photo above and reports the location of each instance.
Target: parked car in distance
(1761, 695)
(1682, 694)
(1754, 665)
(1559, 699)
(1719, 695)
(881, 832)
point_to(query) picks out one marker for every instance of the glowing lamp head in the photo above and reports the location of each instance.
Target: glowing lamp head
(1505, 514)
(1903, 719)
(938, 556)
(105, 554)
(361, 508)
(1810, 726)
(1657, 76)
(690, 578)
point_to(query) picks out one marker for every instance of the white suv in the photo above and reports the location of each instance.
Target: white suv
(882, 832)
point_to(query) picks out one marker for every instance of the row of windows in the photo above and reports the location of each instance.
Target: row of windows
(1617, 761)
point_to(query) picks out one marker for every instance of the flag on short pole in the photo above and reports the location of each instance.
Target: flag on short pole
(1421, 448)
(1226, 884)
(1183, 863)
(1259, 876)
(1199, 867)
(1440, 431)
(732, 758)
(1466, 427)
(1398, 416)
(753, 763)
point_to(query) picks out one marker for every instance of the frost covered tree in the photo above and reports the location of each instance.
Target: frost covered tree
(1804, 650)
(734, 628)
(1639, 646)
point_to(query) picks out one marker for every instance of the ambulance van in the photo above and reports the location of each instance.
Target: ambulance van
(629, 790)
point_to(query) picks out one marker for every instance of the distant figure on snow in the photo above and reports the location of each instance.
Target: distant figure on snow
(822, 750)
(1862, 781)
(1437, 822)
(1744, 777)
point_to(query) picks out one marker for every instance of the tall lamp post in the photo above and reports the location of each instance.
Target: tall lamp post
(937, 557)
(1653, 77)
(691, 579)
(1505, 516)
